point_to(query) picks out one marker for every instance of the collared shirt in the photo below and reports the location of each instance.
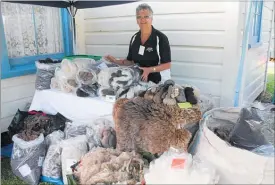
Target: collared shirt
(156, 51)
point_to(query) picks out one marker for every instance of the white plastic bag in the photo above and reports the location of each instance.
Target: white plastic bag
(51, 170)
(72, 151)
(68, 68)
(27, 159)
(175, 167)
(235, 165)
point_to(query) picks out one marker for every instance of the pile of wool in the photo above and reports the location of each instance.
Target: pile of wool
(170, 93)
(103, 165)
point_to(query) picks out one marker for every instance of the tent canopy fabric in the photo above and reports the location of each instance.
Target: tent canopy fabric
(68, 4)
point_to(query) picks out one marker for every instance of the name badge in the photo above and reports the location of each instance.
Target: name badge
(141, 50)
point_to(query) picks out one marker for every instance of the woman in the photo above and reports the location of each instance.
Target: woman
(149, 48)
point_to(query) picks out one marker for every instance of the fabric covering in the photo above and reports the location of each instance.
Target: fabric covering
(76, 108)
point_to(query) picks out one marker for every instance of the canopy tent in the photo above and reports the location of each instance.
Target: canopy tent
(72, 6)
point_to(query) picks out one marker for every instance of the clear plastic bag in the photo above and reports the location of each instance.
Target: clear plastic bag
(176, 167)
(44, 74)
(51, 170)
(95, 133)
(27, 159)
(107, 93)
(134, 90)
(86, 76)
(74, 129)
(68, 69)
(118, 77)
(52, 164)
(83, 63)
(87, 91)
(72, 151)
(54, 138)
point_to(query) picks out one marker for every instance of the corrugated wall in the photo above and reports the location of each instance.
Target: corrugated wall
(16, 93)
(196, 31)
(255, 62)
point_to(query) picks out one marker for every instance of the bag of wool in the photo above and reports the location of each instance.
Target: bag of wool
(87, 90)
(51, 170)
(180, 168)
(68, 68)
(101, 133)
(45, 72)
(83, 63)
(72, 151)
(86, 76)
(118, 77)
(27, 159)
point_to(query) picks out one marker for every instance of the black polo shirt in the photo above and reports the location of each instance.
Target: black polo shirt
(156, 51)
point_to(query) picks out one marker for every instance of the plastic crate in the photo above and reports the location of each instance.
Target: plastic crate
(71, 57)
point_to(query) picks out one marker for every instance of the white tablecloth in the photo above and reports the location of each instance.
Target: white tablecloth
(71, 106)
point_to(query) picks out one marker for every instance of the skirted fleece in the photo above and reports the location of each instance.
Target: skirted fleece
(143, 125)
(109, 166)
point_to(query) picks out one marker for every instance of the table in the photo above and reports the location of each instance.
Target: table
(75, 108)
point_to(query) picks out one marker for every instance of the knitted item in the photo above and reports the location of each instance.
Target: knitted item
(181, 97)
(190, 96)
(158, 96)
(168, 100)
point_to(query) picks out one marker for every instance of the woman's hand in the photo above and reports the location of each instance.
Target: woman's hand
(146, 72)
(110, 58)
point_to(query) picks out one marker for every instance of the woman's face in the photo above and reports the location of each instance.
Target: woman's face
(144, 19)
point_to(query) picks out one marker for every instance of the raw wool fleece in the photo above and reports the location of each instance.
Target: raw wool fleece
(143, 125)
(109, 166)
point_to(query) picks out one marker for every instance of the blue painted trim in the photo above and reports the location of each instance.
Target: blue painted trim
(255, 45)
(4, 56)
(28, 60)
(67, 32)
(19, 71)
(14, 67)
(254, 40)
(243, 54)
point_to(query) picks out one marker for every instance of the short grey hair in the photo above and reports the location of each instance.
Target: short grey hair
(144, 6)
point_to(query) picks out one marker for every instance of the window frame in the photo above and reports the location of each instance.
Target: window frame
(19, 66)
(255, 40)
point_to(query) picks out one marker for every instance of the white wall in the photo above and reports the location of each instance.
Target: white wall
(256, 58)
(272, 43)
(16, 93)
(201, 35)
